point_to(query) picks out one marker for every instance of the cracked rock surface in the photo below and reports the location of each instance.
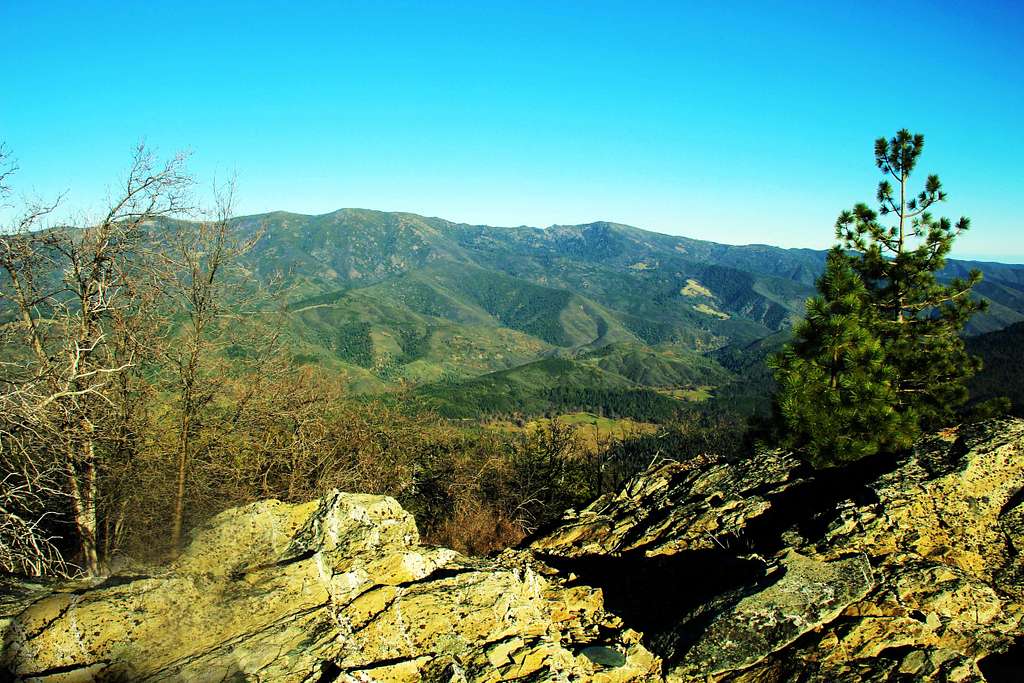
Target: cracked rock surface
(334, 590)
(763, 571)
(750, 571)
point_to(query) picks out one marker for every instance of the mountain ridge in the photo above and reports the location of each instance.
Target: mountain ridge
(390, 299)
(752, 245)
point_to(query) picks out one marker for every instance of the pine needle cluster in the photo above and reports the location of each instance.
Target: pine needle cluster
(879, 356)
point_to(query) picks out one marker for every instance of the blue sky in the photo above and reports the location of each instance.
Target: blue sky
(737, 122)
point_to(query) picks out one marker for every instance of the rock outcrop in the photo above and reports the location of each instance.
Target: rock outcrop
(895, 570)
(751, 571)
(334, 590)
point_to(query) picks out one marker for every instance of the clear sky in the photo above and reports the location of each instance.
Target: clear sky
(732, 121)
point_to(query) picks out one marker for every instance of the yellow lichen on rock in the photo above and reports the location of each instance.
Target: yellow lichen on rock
(277, 592)
(906, 569)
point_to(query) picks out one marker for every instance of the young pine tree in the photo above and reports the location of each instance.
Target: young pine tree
(837, 394)
(920, 319)
(905, 363)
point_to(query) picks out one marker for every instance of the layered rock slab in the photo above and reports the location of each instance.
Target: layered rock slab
(334, 590)
(902, 570)
(747, 571)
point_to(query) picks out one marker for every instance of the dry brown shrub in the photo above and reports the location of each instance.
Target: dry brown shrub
(476, 528)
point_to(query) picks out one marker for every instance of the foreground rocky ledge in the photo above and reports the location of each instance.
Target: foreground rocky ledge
(749, 571)
(334, 590)
(761, 570)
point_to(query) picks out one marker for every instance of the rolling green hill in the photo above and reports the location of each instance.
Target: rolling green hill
(618, 381)
(663, 367)
(526, 320)
(598, 317)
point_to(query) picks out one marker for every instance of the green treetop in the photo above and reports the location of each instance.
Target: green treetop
(891, 329)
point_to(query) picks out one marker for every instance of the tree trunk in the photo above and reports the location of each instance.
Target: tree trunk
(81, 469)
(903, 211)
(179, 496)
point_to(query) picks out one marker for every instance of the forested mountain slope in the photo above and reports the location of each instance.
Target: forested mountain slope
(393, 299)
(1002, 353)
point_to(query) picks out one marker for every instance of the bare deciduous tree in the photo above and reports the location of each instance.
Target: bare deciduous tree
(63, 288)
(206, 321)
